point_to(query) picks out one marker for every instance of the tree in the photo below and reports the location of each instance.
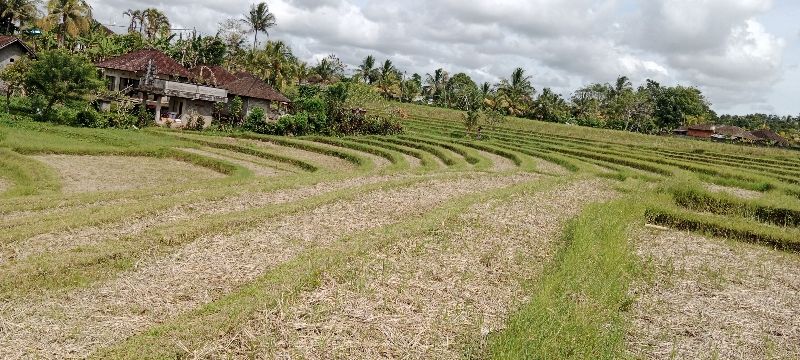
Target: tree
(464, 92)
(517, 92)
(58, 76)
(551, 107)
(136, 20)
(388, 80)
(13, 77)
(198, 50)
(68, 17)
(436, 87)
(232, 33)
(367, 71)
(259, 19)
(155, 24)
(673, 106)
(14, 14)
(329, 70)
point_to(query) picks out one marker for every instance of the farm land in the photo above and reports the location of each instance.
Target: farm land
(539, 240)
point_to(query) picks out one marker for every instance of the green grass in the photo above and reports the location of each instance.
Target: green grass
(577, 308)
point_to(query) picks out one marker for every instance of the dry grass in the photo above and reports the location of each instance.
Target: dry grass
(715, 299)
(115, 173)
(435, 296)
(550, 167)
(321, 160)
(499, 163)
(63, 241)
(742, 193)
(75, 323)
(255, 164)
(4, 185)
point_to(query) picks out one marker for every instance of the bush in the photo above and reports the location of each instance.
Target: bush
(90, 118)
(256, 122)
(296, 125)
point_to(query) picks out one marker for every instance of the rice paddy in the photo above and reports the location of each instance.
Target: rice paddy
(536, 241)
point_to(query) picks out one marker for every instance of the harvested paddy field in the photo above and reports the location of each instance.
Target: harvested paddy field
(537, 241)
(89, 173)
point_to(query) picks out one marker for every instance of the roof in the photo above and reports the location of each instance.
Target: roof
(729, 130)
(770, 136)
(251, 87)
(137, 62)
(213, 75)
(6, 40)
(702, 127)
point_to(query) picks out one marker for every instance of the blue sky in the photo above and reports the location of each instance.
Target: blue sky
(744, 54)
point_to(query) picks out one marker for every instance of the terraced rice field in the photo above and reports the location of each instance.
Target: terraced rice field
(537, 241)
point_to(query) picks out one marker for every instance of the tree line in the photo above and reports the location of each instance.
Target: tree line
(648, 108)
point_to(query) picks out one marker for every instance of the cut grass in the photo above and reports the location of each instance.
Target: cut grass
(27, 176)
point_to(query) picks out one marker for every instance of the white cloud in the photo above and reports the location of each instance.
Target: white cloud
(718, 45)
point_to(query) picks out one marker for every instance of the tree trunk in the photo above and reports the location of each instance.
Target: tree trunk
(255, 39)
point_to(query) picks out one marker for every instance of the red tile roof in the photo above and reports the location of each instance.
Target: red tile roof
(769, 135)
(6, 40)
(213, 75)
(137, 62)
(249, 86)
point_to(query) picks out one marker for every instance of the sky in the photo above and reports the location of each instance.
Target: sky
(743, 54)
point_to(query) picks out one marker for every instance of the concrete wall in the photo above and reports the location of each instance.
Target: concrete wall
(10, 54)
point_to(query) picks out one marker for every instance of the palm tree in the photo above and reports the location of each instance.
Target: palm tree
(279, 63)
(19, 11)
(516, 92)
(259, 19)
(367, 69)
(155, 23)
(436, 85)
(387, 77)
(136, 19)
(70, 17)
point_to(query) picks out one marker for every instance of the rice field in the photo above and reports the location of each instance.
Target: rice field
(537, 241)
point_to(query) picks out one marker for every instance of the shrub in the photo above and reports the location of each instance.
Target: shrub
(297, 125)
(90, 118)
(256, 122)
(58, 76)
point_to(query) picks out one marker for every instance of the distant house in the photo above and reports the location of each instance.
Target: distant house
(253, 91)
(701, 131)
(769, 137)
(12, 49)
(162, 84)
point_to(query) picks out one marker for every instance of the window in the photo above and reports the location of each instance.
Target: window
(111, 83)
(125, 83)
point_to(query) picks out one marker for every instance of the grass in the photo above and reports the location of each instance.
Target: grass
(576, 310)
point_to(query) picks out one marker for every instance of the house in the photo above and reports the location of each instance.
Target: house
(11, 49)
(769, 137)
(253, 91)
(162, 84)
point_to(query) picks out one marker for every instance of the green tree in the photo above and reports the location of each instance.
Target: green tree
(259, 19)
(388, 80)
(14, 76)
(673, 106)
(68, 17)
(436, 87)
(366, 71)
(329, 70)
(58, 76)
(154, 23)
(551, 107)
(14, 14)
(464, 92)
(516, 92)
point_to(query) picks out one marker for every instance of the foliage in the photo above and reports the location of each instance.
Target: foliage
(58, 76)
(198, 50)
(259, 19)
(14, 76)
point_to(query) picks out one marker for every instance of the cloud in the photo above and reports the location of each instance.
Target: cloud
(717, 45)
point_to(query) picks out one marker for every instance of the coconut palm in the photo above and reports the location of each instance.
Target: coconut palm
(155, 23)
(387, 79)
(436, 86)
(366, 71)
(259, 19)
(19, 12)
(279, 63)
(516, 92)
(136, 20)
(69, 17)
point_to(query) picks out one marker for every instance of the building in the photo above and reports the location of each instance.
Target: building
(11, 49)
(769, 137)
(253, 91)
(704, 131)
(162, 84)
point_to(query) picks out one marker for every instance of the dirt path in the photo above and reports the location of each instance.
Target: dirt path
(62, 241)
(74, 324)
(433, 296)
(715, 299)
(252, 163)
(4, 185)
(114, 173)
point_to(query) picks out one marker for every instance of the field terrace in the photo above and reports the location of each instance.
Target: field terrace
(537, 241)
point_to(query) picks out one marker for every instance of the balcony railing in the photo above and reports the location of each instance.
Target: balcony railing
(184, 90)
